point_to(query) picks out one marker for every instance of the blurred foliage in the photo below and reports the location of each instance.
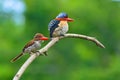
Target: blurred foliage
(69, 59)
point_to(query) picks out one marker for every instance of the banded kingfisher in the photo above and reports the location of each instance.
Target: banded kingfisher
(31, 46)
(59, 26)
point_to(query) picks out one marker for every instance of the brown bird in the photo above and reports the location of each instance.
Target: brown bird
(32, 46)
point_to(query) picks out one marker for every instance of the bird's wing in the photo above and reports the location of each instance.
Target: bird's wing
(28, 44)
(52, 26)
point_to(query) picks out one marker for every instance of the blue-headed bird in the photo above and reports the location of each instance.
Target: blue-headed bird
(59, 26)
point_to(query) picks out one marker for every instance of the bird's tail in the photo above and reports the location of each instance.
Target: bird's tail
(17, 57)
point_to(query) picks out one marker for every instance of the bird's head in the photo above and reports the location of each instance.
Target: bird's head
(39, 36)
(63, 17)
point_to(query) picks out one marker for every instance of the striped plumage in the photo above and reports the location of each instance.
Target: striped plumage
(59, 25)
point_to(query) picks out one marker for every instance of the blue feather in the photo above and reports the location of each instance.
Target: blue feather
(62, 15)
(52, 26)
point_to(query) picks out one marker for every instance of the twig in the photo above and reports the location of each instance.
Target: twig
(85, 37)
(49, 45)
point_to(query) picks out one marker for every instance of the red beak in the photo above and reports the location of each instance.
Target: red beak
(44, 38)
(69, 19)
(65, 19)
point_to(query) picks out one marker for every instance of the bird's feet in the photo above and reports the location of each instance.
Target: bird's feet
(45, 53)
(62, 35)
(33, 52)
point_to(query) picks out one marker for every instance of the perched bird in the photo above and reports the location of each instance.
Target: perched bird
(32, 46)
(59, 25)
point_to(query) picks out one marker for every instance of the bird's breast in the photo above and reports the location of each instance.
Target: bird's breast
(33, 47)
(63, 24)
(62, 29)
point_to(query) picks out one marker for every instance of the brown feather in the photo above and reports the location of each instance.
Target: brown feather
(16, 58)
(28, 44)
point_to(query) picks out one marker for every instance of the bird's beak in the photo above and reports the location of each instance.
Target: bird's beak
(65, 19)
(44, 38)
(69, 19)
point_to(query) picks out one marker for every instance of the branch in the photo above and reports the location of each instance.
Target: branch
(85, 37)
(49, 45)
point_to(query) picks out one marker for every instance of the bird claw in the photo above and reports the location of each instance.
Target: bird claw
(45, 53)
(62, 35)
(31, 53)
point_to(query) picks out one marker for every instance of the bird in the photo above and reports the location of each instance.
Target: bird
(32, 46)
(59, 26)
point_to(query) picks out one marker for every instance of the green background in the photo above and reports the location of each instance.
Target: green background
(69, 59)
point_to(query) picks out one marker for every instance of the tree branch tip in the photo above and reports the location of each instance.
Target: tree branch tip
(101, 45)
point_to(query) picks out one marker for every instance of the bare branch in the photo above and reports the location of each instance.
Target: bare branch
(49, 45)
(24, 66)
(85, 37)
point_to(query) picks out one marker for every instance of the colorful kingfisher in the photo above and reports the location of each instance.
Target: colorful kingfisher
(59, 25)
(31, 46)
